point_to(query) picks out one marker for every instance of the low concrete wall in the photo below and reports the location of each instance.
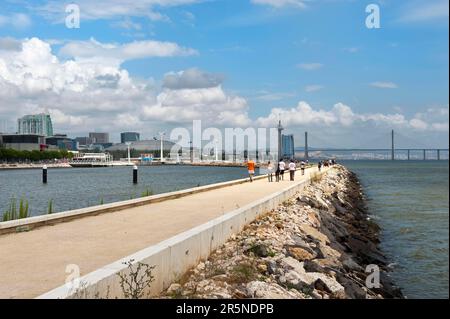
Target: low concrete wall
(173, 257)
(27, 224)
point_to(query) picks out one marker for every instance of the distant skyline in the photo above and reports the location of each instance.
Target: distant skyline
(152, 65)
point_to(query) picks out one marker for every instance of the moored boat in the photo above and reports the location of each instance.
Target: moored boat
(92, 160)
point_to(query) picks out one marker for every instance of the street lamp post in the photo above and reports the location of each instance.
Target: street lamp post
(129, 152)
(161, 137)
(216, 150)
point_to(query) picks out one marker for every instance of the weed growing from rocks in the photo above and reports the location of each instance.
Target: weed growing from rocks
(136, 280)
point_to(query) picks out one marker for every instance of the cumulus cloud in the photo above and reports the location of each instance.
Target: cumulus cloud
(192, 79)
(341, 115)
(211, 105)
(436, 119)
(82, 94)
(10, 44)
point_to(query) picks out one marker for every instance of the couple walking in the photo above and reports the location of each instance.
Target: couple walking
(279, 172)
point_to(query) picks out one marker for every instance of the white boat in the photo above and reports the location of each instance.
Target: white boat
(92, 160)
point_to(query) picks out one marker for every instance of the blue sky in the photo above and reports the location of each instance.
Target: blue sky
(254, 59)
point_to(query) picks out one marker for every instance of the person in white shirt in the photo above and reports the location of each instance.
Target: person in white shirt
(270, 170)
(282, 167)
(292, 168)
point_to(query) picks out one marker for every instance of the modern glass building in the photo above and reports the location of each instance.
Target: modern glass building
(129, 137)
(287, 143)
(99, 138)
(39, 124)
(62, 142)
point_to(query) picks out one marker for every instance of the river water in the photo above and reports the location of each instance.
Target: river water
(410, 200)
(75, 188)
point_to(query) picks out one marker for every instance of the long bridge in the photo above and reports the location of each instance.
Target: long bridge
(393, 152)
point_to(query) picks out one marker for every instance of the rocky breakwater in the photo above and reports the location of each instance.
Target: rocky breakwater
(317, 245)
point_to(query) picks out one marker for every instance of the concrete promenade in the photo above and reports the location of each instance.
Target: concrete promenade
(32, 263)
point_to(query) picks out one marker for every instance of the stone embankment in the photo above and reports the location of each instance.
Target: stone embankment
(316, 245)
(33, 166)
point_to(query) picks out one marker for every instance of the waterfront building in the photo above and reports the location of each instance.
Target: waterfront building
(288, 146)
(23, 142)
(150, 146)
(84, 140)
(62, 142)
(129, 137)
(99, 138)
(39, 124)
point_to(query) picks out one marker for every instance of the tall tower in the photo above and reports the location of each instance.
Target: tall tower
(306, 146)
(393, 146)
(280, 140)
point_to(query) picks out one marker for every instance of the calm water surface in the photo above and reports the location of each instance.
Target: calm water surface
(410, 200)
(75, 188)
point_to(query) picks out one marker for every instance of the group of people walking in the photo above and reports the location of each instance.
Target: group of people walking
(278, 169)
(328, 163)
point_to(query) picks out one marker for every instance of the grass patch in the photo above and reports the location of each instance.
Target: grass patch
(316, 178)
(15, 211)
(215, 270)
(243, 273)
(50, 207)
(148, 192)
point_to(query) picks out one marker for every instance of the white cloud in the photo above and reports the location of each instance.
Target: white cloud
(424, 11)
(16, 20)
(192, 79)
(310, 66)
(82, 95)
(384, 85)
(281, 3)
(10, 44)
(101, 52)
(109, 9)
(313, 88)
(273, 96)
(341, 115)
(127, 24)
(418, 124)
(211, 105)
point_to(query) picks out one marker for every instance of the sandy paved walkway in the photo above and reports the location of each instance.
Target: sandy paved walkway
(33, 263)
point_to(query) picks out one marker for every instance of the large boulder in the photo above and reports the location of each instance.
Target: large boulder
(263, 290)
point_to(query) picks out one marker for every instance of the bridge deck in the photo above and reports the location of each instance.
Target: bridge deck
(35, 262)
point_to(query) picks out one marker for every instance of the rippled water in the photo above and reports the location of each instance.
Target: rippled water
(410, 200)
(83, 187)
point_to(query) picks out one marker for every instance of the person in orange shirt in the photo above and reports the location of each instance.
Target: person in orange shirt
(251, 169)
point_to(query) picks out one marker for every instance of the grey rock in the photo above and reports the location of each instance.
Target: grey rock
(330, 285)
(262, 290)
(174, 289)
